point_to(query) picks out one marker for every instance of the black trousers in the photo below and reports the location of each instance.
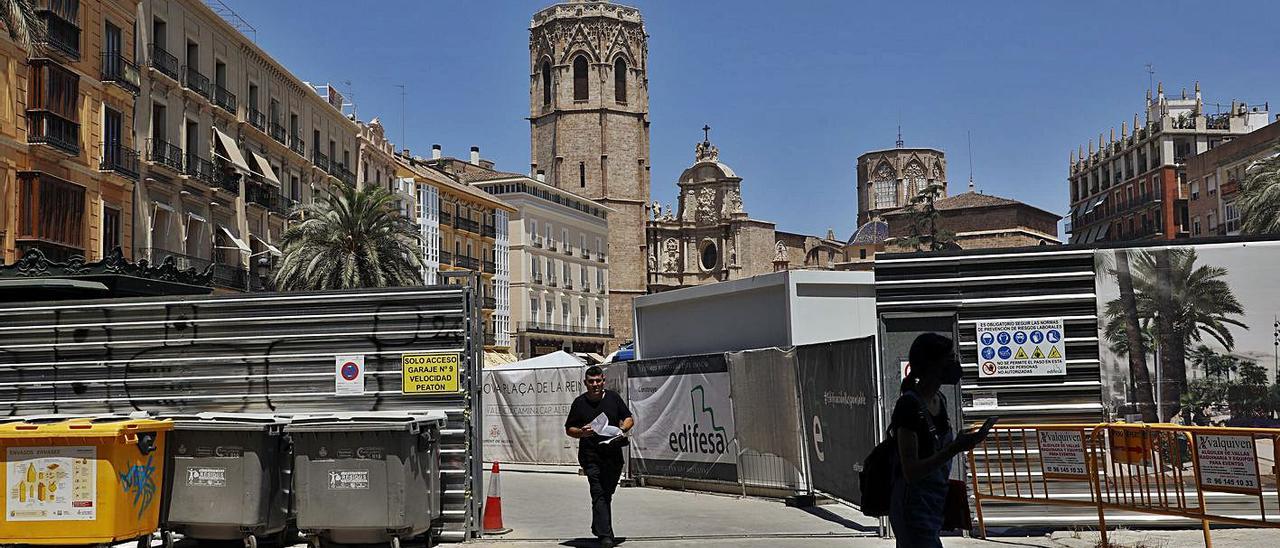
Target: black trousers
(602, 473)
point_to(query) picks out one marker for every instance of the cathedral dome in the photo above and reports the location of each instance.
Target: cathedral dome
(873, 232)
(708, 167)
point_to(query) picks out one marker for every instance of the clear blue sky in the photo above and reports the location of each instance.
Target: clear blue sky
(795, 91)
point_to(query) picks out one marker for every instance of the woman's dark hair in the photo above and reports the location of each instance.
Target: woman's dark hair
(928, 353)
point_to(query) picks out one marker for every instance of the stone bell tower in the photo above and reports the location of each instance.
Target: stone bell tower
(589, 122)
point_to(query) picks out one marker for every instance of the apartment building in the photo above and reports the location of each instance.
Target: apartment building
(67, 163)
(463, 228)
(559, 266)
(1215, 178)
(1135, 186)
(231, 141)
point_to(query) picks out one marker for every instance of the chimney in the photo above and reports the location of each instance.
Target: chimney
(475, 156)
(542, 175)
(435, 152)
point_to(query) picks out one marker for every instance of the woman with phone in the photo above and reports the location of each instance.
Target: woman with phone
(926, 445)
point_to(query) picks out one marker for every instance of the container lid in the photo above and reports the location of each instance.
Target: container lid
(106, 427)
(225, 421)
(367, 420)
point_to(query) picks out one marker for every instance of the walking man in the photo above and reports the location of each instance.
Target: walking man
(600, 446)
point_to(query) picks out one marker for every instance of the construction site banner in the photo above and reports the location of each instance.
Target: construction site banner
(684, 418)
(524, 412)
(1188, 333)
(838, 394)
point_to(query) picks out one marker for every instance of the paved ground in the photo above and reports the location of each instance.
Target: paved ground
(547, 510)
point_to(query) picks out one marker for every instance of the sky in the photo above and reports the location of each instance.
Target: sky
(796, 91)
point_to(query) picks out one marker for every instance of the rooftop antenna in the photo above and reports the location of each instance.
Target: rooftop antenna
(232, 18)
(402, 141)
(898, 143)
(351, 94)
(969, 136)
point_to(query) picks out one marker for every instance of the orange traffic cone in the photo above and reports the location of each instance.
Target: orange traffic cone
(493, 506)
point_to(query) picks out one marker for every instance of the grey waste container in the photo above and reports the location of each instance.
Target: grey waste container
(366, 477)
(229, 478)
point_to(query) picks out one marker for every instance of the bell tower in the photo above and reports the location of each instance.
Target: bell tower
(589, 122)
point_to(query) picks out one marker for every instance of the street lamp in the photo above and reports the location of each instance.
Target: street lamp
(264, 269)
(1275, 353)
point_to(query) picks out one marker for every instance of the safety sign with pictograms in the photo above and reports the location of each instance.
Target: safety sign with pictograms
(1021, 347)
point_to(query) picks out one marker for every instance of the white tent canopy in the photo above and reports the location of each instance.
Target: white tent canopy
(559, 358)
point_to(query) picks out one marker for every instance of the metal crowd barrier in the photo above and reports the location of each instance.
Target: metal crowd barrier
(1210, 475)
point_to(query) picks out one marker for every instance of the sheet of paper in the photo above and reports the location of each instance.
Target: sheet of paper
(599, 423)
(609, 431)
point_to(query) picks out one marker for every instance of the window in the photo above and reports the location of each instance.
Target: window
(582, 174)
(1213, 221)
(533, 229)
(52, 117)
(273, 113)
(51, 213)
(582, 314)
(550, 235)
(112, 155)
(914, 176)
(862, 253)
(564, 237)
(585, 249)
(580, 92)
(564, 312)
(885, 187)
(568, 272)
(110, 229)
(599, 248)
(220, 74)
(295, 188)
(551, 311)
(620, 82)
(585, 279)
(599, 316)
(1231, 217)
(158, 132)
(193, 56)
(546, 83)
(533, 309)
(1195, 190)
(159, 32)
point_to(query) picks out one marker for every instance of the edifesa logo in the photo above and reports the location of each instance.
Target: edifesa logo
(690, 438)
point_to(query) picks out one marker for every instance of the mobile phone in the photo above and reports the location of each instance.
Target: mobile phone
(987, 424)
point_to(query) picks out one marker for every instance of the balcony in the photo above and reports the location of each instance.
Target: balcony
(586, 288)
(260, 195)
(200, 169)
(46, 128)
(568, 249)
(62, 35)
(120, 159)
(320, 160)
(568, 283)
(463, 223)
(489, 231)
(584, 253)
(490, 303)
(469, 263)
(562, 329)
(278, 133)
(165, 154)
(490, 339)
(537, 241)
(228, 181)
(446, 258)
(602, 290)
(601, 257)
(122, 73)
(537, 278)
(490, 267)
(551, 244)
(224, 99)
(164, 62)
(197, 82)
(230, 277)
(551, 281)
(257, 119)
(296, 144)
(345, 176)
(446, 218)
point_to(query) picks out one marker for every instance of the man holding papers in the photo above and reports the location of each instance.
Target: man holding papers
(600, 420)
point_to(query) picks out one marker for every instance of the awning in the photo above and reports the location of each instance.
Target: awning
(195, 217)
(265, 168)
(229, 150)
(1102, 232)
(271, 248)
(243, 247)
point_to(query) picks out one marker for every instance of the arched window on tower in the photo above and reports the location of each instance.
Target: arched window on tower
(580, 78)
(914, 175)
(620, 82)
(885, 187)
(546, 83)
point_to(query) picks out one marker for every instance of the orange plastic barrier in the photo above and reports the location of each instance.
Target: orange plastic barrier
(1161, 469)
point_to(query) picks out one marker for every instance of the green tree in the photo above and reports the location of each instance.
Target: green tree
(22, 24)
(1260, 198)
(1130, 338)
(1251, 373)
(1184, 302)
(349, 238)
(926, 235)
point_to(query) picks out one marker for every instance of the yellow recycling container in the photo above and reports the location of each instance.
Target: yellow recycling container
(81, 481)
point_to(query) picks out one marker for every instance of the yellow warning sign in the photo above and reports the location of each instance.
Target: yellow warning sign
(1037, 354)
(429, 373)
(1053, 353)
(1021, 355)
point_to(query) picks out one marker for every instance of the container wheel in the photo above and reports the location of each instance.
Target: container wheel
(144, 541)
(395, 542)
(167, 539)
(314, 541)
(250, 542)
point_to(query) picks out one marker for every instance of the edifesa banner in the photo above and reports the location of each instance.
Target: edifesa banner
(684, 418)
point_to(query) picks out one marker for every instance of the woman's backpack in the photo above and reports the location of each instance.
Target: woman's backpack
(876, 478)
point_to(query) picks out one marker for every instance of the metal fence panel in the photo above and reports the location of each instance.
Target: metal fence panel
(271, 352)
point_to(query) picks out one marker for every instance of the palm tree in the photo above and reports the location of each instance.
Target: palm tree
(1260, 198)
(1129, 338)
(1186, 302)
(22, 24)
(349, 238)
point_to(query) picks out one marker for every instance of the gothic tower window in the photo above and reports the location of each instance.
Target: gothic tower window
(620, 82)
(580, 78)
(885, 187)
(914, 175)
(582, 174)
(546, 83)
